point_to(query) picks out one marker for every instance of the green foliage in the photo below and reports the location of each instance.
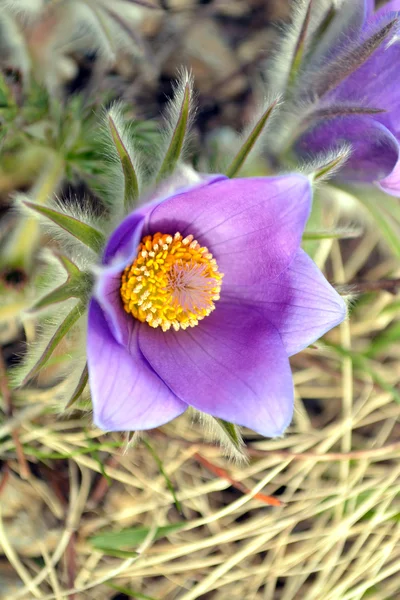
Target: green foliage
(178, 122)
(130, 593)
(88, 235)
(128, 539)
(251, 140)
(56, 339)
(233, 434)
(164, 474)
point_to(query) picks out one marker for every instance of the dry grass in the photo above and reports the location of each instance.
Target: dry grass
(336, 535)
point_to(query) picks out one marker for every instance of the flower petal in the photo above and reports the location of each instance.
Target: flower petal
(127, 394)
(252, 226)
(120, 251)
(391, 6)
(375, 150)
(344, 25)
(300, 303)
(369, 6)
(391, 183)
(375, 84)
(232, 365)
(123, 242)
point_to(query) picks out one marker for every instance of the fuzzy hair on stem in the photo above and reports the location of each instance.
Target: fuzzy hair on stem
(183, 88)
(47, 327)
(80, 254)
(346, 22)
(214, 433)
(252, 141)
(288, 124)
(324, 166)
(115, 123)
(356, 53)
(278, 67)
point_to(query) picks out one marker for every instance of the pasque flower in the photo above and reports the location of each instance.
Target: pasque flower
(356, 80)
(201, 298)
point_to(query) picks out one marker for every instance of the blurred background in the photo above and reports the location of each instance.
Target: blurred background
(83, 515)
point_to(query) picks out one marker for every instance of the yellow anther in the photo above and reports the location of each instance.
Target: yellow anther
(175, 287)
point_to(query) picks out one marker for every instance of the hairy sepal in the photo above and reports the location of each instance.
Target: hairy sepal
(77, 285)
(61, 331)
(336, 71)
(226, 434)
(79, 388)
(342, 22)
(85, 233)
(325, 166)
(128, 156)
(286, 63)
(178, 120)
(252, 139)
(45, 327)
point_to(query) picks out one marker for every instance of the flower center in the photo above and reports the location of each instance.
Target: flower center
(173, 282)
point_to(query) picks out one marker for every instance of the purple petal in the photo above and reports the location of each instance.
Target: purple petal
(123, 242)
(391, 183)
(252, 226)
(181, 182)
(392, 6)
(107, 294)
(300, 303)
(123, 239)
(344, 25)
(376, 83)
(369, 7)
(375, 149)
(127, 394)
(120, 251)
(232, 365)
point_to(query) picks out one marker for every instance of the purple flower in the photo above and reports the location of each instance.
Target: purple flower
(202, 297)
(363, 108)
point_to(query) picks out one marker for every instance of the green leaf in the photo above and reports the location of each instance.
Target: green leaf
(87, 234)
(6, 98)
(129, 538)
(60, 294)
(300, 46)
(62, 330)
(392, 308)
(331, 167)
(232, 432)
(69, 266)
(131, 192)
(386, 338)
(77, 285)
(129, 593)
(79, 388)
(90, 449)
(250, 142)
(175, 148)
(337, 234)
(164, 474)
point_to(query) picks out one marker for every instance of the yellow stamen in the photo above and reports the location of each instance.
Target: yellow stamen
(173, 282)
